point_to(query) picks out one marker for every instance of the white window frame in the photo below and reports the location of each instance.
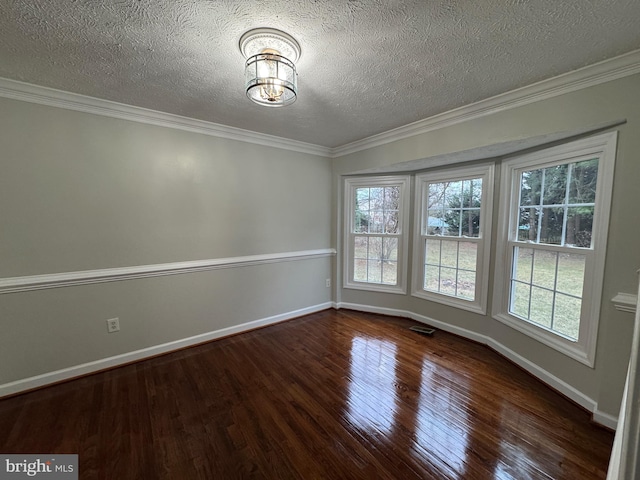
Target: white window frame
(486, 172)
(402, 181)
(602, 147)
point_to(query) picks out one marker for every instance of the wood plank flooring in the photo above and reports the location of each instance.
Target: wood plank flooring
(333, 395)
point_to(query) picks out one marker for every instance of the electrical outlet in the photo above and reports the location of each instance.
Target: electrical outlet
(113, 325)
(328, 282)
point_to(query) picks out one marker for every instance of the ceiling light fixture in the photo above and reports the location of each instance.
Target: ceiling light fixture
(270, 71)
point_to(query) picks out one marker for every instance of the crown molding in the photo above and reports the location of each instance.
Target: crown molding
(601, 72)
(28, 92)
(589, 76)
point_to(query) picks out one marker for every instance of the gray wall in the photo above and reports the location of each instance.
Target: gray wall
(84, 192)
(615, 100)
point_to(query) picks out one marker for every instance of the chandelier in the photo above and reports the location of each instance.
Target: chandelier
(270, 71)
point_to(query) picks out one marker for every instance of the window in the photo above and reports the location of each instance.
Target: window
(555, 213)
(453, 219)
(375, 240)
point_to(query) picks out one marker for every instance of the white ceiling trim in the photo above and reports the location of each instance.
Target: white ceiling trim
(601, 72)
(72, 101)
(605, 71)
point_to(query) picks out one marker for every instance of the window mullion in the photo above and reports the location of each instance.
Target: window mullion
(540, 206)
(566, 204)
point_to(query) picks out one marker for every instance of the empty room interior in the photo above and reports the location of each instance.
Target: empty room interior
(220, 221)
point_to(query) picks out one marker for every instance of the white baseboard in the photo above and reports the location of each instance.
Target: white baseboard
(554, 382)
(49, 378)
(605, 419)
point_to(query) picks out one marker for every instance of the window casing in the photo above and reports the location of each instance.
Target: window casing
(376, 240)
(554, 215)
(452, 236)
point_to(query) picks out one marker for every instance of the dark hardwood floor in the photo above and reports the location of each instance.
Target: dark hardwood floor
(337, 394)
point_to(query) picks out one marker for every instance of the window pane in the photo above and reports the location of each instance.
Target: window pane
(544, 269)
(584, 177)
(390, 249)
(392, 198)
(541, 306)
(453, 195)
(375, 248)
(551, 226)
(467, 253)
(360, 270)
(361, 217)
(391, 221)
(376, 221)
(579, 226)
(449, 254)
(361, 222)
(448, 281)
(569, 190)
(454, 208)
(374, 273)
(530, 185)
(528, 224)
(466, 284)
(452, 221)
(571, 273)
(520, 299)
(553, 302)
(555, 185)
(431, 277)
(390, 272)
(376, 198)
(436, 224)
(362, 198)
(523, 261)
(471, 193)
(432, 254)
(435, 196)
(566, 319)
(360, 247)
(471, 222)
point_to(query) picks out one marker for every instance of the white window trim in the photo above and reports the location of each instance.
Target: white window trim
(603, 147)
(486, 172)
(350, 184)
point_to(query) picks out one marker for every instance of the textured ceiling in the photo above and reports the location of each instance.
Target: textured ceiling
(366, 66)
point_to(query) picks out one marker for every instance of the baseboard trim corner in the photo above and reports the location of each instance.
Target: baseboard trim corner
(605, 419)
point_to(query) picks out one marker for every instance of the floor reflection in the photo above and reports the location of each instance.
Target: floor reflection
(371, 401)
(442, 420)
(520, 452)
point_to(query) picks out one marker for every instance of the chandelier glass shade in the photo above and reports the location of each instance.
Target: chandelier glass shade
(270, 72)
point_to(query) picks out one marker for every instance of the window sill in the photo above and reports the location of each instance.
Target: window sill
(474, 306)
(377, 287)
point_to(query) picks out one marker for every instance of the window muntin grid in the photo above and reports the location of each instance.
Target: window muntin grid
(552, 245)
(451, 236)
